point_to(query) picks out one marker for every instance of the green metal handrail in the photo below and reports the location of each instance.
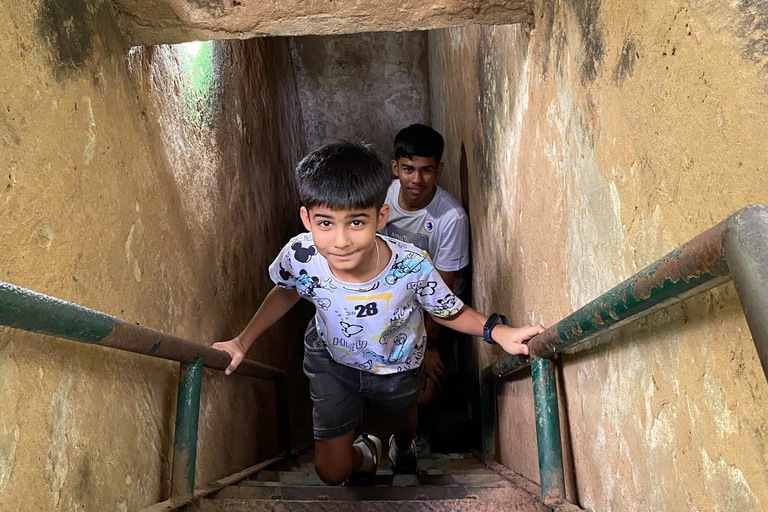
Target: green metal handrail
(735, 249)
(31, 311)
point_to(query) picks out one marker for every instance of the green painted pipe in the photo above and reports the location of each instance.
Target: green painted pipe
(547, 429)
(185, 433)
(31, 311)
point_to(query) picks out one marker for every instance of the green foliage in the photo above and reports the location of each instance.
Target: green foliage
(201, 92)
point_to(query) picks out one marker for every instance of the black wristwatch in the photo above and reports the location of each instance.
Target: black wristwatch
(431, 342)
(490, 324)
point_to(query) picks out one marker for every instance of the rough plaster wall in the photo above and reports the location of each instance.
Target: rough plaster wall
(103, 204)
(365, 86)
(609, 136)
(176, 21)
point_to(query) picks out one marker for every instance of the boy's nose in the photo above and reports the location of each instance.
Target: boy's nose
(342, 240)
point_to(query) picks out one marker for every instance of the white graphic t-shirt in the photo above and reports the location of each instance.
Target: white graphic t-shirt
(441, 228)
(376, 326)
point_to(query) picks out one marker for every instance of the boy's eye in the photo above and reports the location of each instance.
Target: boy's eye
(325, 223)
(357, 223)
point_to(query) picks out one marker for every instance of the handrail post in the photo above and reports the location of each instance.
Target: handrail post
(283, 416)
(547, 429)
(185, 434)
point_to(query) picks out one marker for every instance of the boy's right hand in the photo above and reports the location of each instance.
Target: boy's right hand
(235, 350)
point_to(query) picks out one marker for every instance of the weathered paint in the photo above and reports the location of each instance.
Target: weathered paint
(9, 399)
(25, 309)
(746, 250)
(691, 268)
(185, 432)
(387, 74)
(636, 156)
(547, 421)
(64, 225)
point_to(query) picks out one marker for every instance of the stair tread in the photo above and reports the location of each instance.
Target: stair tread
(480, 479)
(391, 493)
(518, 504)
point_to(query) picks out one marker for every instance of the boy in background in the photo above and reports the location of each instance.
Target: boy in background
(424, 214)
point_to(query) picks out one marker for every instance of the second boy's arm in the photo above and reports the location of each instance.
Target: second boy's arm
(277, 303)
(471, 322)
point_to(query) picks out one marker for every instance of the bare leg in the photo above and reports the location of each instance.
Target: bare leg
(406, 428)
(337, 458)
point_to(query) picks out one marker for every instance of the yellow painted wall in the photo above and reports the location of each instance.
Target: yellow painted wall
(597, 141)
(137, 184)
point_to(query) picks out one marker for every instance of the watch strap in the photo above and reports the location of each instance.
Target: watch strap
(490, 324)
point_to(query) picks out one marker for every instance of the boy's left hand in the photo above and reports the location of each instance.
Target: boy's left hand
(511, 338)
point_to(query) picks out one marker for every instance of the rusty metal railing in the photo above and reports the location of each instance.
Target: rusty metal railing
(31, 311)
(735, 249)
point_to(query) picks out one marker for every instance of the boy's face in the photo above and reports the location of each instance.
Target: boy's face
(417, 176)
(345, 237)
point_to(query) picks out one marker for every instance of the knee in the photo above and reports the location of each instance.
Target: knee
(329, 473)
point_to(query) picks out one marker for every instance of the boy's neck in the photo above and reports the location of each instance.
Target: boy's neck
(409, 206)
(370, 267)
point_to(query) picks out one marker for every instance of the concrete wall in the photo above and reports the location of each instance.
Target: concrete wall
(365, 86)
(154, 186)
(176, 21)
(610, 135)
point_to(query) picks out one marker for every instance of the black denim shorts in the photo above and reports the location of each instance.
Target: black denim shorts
(339, 392)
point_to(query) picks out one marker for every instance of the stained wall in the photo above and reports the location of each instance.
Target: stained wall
(362, 86)
(596, 141)
(153, 184)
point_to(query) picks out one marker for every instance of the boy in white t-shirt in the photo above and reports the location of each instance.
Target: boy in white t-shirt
(367, 341)
(424, 214)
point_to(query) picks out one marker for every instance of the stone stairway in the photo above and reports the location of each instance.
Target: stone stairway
(447, 482)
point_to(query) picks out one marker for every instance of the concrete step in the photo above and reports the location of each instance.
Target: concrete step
(383, 493)
(455, 505)
(486, 478)
(446, 482)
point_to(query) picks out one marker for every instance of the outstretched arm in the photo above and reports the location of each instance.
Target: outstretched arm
(471, 322)
(277, 303)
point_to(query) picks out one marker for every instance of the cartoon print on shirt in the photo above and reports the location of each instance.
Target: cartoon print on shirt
(322, 303)
(301, 253)
(349, 348)
(384, 338)
(402, 313)
(410, 264)
(376, 357)
(423, 288)
(445, 307)
(284, 274)
(350, 329)
(306, 284)
(368, 365)
(398, 349)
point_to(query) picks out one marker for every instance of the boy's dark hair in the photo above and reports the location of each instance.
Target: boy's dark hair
(343, 176)
(419, 140)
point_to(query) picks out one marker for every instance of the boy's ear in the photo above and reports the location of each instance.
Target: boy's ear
(395, 168)
(439, 169)
(305, 218)
(383, 217)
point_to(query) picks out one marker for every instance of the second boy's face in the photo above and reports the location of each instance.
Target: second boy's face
(417, 177)
(346, 238)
